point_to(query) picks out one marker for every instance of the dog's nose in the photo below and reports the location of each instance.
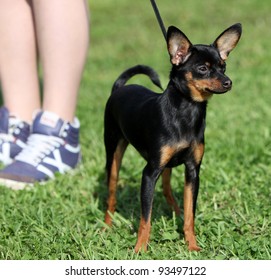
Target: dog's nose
(227, 84)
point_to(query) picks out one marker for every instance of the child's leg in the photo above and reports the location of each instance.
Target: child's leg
(18, 67)
(62, 29)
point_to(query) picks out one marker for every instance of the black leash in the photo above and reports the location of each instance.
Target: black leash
(160, 21)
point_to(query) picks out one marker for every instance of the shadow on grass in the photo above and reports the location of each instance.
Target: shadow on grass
(128, 199)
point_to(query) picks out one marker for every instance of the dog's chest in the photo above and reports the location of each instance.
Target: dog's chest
(181, 141)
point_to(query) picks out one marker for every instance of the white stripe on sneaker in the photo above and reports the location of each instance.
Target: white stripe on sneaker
(5, 154)
(20, 143)
(72, 149)
(46, 171)
(57, 162)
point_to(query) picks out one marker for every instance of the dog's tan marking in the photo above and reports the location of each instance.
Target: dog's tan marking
(113, 180)
(188, 228)
(143, 236)
(167, 190)
(197, 88)
(168, 151)
(166, 154)
(198, 151)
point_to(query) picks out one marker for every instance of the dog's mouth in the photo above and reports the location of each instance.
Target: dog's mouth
(217, 91)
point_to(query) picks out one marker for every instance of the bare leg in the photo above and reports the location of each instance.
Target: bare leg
(18, 67)
(63, 34)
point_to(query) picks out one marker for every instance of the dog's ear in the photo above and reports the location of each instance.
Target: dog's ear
(228, 39)
(178, 45)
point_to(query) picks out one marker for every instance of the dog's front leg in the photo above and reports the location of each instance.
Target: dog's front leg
(149, 178)
(190, 200)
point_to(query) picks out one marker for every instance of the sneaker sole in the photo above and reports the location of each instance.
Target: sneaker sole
(15, 185)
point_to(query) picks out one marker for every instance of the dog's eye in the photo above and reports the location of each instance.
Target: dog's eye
(202, 69)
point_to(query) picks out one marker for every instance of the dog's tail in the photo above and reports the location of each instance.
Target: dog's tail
(139, 69)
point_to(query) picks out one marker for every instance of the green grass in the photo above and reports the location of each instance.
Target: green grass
(63, 219)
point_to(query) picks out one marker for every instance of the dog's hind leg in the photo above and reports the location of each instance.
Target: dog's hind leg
(114, 154)
(167, 190)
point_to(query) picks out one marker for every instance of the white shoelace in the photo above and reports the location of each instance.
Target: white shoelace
(39, 146)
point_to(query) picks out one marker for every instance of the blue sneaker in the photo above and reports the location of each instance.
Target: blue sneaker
(13, 136)
(53, 147)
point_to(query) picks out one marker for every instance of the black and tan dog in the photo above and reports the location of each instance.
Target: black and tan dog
(167, 129)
